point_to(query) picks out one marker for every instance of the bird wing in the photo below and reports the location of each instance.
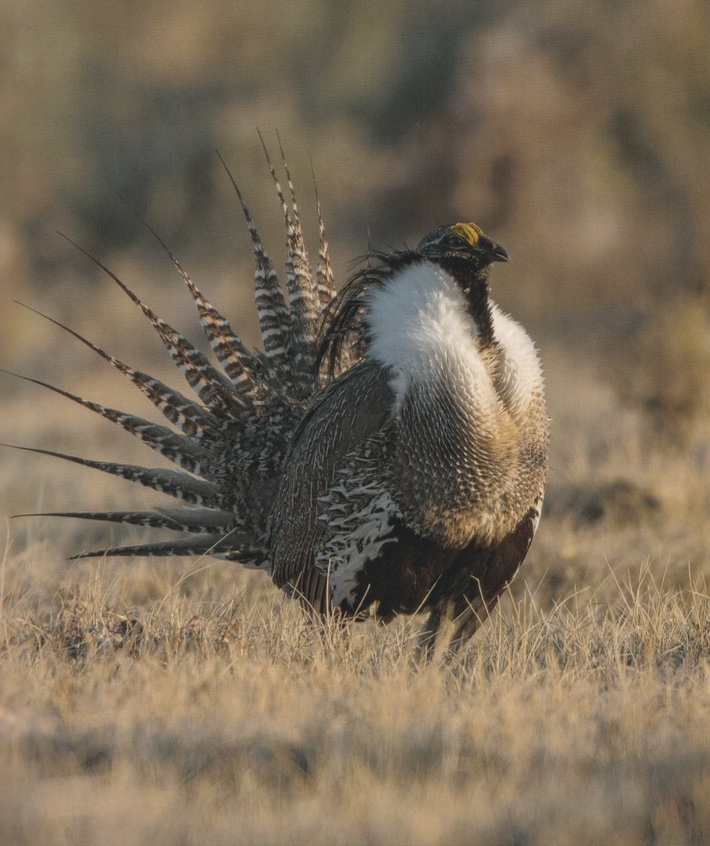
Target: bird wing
(347, 414)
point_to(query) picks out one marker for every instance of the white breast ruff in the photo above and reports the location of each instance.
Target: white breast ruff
(421, 330)
(521, 380)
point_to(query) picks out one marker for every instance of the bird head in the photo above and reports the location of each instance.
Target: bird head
(461, 244)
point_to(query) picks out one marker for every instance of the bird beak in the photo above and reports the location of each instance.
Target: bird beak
(500, 253)
(492, 251)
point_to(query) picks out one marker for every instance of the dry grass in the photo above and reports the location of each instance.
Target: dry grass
(199, 721)
(153, 702)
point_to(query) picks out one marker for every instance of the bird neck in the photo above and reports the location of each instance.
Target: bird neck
(474, 284)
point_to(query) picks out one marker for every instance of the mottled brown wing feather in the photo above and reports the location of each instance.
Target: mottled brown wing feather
(354, 407)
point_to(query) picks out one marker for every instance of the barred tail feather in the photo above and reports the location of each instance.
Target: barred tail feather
(325, 281)
(300, 290)
(239, 363)
(210, 386)
(199, 545)
(175, 483)
(298, 258)
(274, 317)
(176, 519)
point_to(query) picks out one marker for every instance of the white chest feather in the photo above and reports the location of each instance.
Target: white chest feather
(421, 330)
(520, 381)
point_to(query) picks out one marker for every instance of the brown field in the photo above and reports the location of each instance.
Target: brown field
(159, 702)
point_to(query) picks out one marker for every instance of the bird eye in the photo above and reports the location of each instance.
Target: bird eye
(456, 241)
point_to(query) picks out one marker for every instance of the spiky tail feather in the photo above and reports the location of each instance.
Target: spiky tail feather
(233, 436)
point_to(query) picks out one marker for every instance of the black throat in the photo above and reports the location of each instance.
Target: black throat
(474, 284)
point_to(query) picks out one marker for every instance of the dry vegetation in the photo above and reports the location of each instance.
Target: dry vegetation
(217, 722)
(160, 702)
(151, 702)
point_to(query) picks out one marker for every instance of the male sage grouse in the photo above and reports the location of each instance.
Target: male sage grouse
(386, 452)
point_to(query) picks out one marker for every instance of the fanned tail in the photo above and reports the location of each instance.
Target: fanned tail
(229, 441)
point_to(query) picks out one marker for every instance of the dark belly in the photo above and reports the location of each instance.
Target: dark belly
(414, 573)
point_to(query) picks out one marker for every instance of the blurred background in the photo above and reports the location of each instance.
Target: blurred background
(575, 132)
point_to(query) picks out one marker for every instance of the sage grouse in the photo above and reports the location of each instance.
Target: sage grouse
(386, 450)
